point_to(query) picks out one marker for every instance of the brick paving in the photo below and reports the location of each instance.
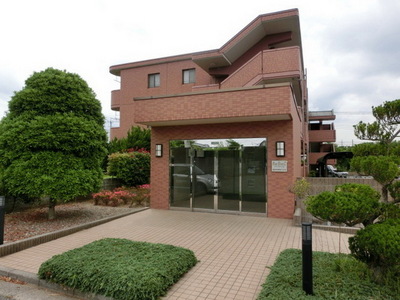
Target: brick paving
(234, 251)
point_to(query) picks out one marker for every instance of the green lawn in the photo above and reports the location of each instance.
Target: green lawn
(120, 268)
(334, 277)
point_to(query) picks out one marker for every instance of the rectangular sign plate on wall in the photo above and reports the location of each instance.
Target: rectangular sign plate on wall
(279, 165)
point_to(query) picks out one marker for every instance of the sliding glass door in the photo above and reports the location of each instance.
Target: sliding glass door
(219, 175)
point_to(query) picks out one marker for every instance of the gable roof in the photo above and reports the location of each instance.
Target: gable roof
(256, 30)
(263, 25)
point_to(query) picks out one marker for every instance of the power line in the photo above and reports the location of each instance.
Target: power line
(353, 112)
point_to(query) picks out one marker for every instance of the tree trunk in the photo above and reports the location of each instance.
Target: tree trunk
(385, 193)
(51, 214)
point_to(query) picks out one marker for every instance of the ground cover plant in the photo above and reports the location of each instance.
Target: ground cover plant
(120, 268)
(335, 276)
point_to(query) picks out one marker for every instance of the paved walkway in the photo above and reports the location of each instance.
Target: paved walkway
(234, 251)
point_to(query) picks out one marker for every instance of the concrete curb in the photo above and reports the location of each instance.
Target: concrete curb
(34, 280)
(36, 240)
(17, 246)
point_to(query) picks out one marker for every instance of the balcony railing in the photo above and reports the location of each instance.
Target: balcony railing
(267, 64)
(115, 99)
(322, 135)
(260, 103)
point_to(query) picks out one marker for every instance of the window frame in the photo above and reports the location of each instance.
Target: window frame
(153, 80)
(191, 76)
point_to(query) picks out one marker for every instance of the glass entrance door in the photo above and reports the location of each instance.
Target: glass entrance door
(205, 184)
(253, 179)
(229, 178)
(219, 175)
(180, 177)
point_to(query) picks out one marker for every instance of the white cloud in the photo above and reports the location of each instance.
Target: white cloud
(351, 48)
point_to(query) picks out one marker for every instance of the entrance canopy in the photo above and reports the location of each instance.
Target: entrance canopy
(332, 155)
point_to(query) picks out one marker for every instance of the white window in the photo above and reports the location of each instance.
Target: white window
(189, 76)
(154, 80)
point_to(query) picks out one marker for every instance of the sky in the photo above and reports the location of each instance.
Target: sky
(351, 47)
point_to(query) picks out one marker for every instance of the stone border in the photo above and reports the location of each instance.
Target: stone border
(33, 279)
(10, 248)
(298, 218)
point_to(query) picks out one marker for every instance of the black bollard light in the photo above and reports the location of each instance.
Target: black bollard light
(2, 213)
(307, 258)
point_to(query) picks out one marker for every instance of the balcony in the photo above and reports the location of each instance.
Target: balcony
(116, 100)
(322, 136)
(270, 66)
(259, 103)
(321, 115)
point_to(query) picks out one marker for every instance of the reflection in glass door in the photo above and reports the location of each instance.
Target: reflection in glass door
(253, 179)
(219, 175)
(204, 179)
(229, 178)
(180, 177)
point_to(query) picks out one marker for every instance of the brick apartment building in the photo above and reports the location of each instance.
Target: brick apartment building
(321, 137)
(229, 126)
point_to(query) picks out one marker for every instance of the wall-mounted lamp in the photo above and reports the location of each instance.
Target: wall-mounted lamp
(280, 149)
(158, 150)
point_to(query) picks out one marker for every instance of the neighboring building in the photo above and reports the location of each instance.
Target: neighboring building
(229, 126)
(322, 137)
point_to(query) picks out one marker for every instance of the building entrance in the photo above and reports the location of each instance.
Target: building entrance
(224, 175)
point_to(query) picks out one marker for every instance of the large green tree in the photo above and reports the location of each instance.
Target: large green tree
(385, 128)
(384, 169)
(52, 140)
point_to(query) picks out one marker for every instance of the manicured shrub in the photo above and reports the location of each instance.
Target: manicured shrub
(119, 268)
(114, 198)
(378, 246)
(394, 190)
(362, 190)
(132, 168)
(102, 198)
(384, 169)
(390, 211)
(142, 195)
(135, 196)
(335, 276)
(350, 204)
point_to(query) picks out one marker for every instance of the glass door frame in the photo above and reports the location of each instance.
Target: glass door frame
(192, 155)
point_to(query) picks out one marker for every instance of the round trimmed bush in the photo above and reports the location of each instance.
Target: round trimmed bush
(378, 246)
(350, 204)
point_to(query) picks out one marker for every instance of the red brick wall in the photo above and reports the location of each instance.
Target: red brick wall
(275, 62)
(229, 104)
(282, 60)
(134, 83)
(135, 80)
(280, 200)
